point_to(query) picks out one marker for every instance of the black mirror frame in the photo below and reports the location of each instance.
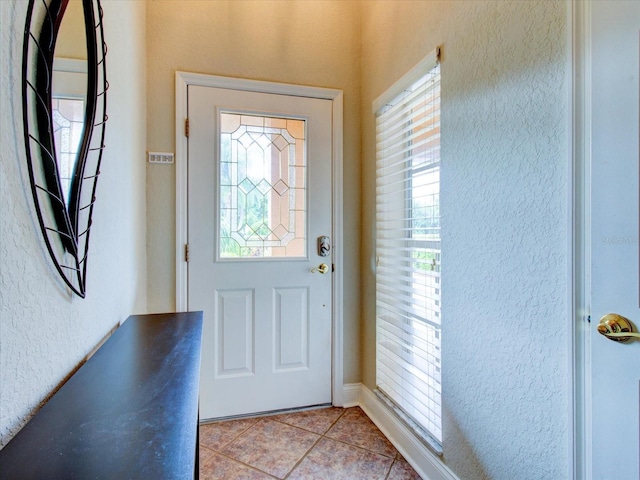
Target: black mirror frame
(65, 227)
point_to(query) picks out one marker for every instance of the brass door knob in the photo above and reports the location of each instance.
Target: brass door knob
(322, 268)
(617, 328)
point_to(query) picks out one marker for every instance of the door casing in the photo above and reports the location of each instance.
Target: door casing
(579, 241)
(183, 80)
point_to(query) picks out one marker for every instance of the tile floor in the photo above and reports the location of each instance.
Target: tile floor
(330, 443)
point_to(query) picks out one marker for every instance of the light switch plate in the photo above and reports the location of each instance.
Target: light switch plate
(161, 157)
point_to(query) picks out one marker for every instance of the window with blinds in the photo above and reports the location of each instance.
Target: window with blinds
(408, 275)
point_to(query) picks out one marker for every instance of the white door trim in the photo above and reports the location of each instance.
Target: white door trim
(580, 217)
(183, 80)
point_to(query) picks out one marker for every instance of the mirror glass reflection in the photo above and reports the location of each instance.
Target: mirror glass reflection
(69, 92)
(68, 124)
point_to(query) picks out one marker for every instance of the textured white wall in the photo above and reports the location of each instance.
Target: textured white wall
(504, 223)
(44, 331)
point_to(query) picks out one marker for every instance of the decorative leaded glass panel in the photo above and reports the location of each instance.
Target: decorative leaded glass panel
(263, 181)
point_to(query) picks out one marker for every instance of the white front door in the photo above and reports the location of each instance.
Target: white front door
(614, 366)
(259, 198)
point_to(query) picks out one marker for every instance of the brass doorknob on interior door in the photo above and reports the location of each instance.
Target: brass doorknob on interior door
(617, 328)
(322, 268)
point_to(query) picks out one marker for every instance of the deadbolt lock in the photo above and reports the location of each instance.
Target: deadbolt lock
(324, 246)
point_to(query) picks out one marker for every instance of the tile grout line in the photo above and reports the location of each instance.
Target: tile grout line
(240, 462)
(359, 447)
(320, 437)
(302, 458)
(236, 436)
(260, 420)
(222, 454)
(394, 457)
(390, 468)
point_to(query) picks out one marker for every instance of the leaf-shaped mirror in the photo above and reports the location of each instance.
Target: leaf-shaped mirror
(64, 132)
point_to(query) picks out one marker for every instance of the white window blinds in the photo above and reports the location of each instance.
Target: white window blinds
(408, 370)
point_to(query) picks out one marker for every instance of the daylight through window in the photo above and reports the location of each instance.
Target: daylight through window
(408, 273)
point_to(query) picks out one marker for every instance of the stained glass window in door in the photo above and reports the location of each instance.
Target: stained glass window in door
(262, 187)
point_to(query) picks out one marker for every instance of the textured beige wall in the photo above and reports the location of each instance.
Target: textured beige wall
(45, 331)
(300, 42)
(504, 222)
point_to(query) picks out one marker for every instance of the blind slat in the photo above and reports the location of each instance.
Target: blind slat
(408, 261)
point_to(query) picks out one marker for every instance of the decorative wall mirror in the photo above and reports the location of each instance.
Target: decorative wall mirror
(64, 113)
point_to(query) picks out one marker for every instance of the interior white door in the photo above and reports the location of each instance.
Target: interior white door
(615, 367)
(259, 197)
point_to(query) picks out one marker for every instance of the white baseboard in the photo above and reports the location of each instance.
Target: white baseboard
(425, 463)
(351, 395)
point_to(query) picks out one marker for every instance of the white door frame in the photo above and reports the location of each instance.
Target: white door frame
(183, 80)
(580, 420)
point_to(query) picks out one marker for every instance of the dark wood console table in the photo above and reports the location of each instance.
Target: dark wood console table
(130, 412)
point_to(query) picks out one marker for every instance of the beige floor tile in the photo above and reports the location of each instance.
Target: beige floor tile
(331, 443)
(214, 466)
(218, 434)
(401, 470)
(333, 460)
(316, 421)
(271, 447)
(355, 428)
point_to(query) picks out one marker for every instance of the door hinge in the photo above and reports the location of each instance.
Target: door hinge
(186, 127)
(186, 252)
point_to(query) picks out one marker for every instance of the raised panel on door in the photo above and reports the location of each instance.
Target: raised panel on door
(291, 328)
(234, 327)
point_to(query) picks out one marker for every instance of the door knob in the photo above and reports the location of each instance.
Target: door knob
(616, 327)
(322, 268)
